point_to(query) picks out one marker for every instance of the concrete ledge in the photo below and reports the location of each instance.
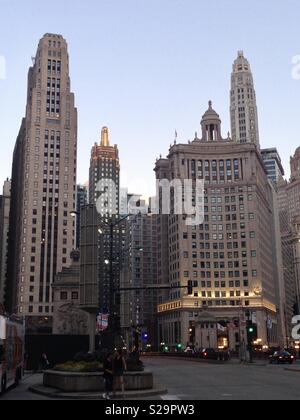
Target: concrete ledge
(55, 394)
(94, 382)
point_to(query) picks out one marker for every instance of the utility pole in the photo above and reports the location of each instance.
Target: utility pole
(250, 332)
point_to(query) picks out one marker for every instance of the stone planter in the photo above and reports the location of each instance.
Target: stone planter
(94, 382)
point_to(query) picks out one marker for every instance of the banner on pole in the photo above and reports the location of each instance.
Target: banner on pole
(102, 322)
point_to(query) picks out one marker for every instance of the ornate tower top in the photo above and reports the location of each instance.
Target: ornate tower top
(295, 165)
(243, 108)
(211, 125)
(105, 137)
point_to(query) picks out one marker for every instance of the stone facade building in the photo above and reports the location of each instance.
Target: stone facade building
(289, 210)
(68, 318)
(243, 107)
(139, 270)
(42, 230)
(230, 258)
(5, 199)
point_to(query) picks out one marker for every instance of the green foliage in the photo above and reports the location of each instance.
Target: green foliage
(135, 365)
(80, 367)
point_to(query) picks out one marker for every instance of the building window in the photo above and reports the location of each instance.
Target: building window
(64, 296)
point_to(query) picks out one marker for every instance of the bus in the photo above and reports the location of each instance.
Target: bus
(12, 337)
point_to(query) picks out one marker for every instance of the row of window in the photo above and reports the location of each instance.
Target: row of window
(65, 295)
(217, 274)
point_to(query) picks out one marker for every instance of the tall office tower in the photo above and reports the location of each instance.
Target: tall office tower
(105, 165)
(288, 266)
(230, 259)
(290, 230)
(273, 165)
(139, 270)
(43, 185)
(104, 184)
(81, 201)
(4, 229)
(243, 109)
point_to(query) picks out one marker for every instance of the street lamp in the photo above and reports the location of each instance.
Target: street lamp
(114, 318)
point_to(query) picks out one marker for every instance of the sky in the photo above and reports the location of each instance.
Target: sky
(146, 68)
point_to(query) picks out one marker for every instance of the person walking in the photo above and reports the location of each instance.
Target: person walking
(108, 376)
(120, 367)
(44, 362)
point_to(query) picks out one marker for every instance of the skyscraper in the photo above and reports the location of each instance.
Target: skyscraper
(139, 270)
(273, 165)
(230, 259)
(104, 184)
(105, 166)
(243, 109)
(4, 228)
(289, 207)
(43, 185)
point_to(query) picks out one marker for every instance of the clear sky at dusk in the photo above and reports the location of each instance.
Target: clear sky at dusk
(147, 67)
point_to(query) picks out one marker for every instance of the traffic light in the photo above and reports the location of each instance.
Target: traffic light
(190, 288)
(145, 336)
(179, 347)
(251, 331)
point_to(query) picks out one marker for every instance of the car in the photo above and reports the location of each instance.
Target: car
(209, 354)
(189, 351)
(213, 354)
(281, 357)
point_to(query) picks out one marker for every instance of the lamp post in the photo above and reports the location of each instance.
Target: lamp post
(114, 325)
(115, 290)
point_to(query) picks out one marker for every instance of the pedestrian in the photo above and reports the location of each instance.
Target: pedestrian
(44, 362)
(120, 367)
(108, 376)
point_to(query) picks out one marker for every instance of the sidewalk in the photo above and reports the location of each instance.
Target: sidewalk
(129, 395)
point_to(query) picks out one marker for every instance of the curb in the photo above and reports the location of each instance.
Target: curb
(55, 394)
(292, 370)
(232, 362)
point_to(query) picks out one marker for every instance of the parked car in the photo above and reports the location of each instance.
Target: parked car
(209, 354)
(213, 354)
(188, 350)
(280, 357)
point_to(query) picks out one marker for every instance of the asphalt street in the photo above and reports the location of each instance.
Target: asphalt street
(197, 381)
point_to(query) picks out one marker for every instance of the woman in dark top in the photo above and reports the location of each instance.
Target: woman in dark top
(108, 376)
(119, 368)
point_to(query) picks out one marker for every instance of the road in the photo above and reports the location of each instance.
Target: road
(197, 381)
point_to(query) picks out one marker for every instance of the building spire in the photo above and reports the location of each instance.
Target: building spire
(243, 107)
(105, 137)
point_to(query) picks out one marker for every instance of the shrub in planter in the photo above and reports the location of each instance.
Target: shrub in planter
(134, 365)
(80, 367)
(85, 357)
